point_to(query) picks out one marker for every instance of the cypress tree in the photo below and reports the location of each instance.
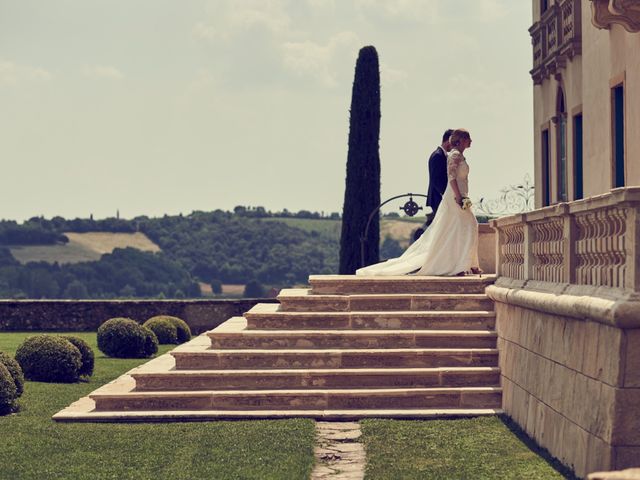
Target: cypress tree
(362, 192)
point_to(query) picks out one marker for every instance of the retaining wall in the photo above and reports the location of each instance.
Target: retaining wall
(88, 315)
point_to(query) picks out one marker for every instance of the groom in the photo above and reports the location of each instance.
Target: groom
(438, 174)
(437, 181)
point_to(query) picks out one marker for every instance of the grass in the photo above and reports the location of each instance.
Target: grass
(476, 448)
(34, 446)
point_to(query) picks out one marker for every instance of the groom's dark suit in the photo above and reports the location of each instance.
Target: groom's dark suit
(437, 178)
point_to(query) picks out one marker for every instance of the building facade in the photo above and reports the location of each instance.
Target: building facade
(586, 76)
(567, 293)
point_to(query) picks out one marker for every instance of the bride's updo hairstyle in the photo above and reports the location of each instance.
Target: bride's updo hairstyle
(457, 136)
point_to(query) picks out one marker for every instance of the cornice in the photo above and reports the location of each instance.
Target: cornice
(622, 12)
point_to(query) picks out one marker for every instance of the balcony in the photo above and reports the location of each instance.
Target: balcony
(556, 38)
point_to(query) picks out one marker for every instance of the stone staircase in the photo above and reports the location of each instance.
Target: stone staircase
(348, 347)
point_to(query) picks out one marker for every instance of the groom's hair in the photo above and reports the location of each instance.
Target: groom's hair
(446, 135)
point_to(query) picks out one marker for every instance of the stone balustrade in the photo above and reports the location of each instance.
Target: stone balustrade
(556, 38)
(567, 301)
(587, 242)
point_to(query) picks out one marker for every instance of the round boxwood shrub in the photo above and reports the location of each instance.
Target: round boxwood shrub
(125, 338)
(14, 370)
(8, 392)
(179, 330)
(49, 358)
(88, 358)
(184, 332)
(163, 328)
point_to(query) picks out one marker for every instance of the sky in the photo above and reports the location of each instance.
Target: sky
(169, 106)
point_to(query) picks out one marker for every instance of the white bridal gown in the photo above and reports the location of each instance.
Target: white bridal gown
(450, 244)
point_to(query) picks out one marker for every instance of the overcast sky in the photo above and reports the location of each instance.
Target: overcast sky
(167, 106)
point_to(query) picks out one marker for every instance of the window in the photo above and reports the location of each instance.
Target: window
(546, 197)
(578, 181)
(561, 131)
(544, 6)
(617, 130)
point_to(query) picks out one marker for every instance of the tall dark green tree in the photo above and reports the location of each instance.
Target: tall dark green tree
(362, 192)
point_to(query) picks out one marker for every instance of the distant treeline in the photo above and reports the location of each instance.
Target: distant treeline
(42, 231)
(122, 274)
(239, 247)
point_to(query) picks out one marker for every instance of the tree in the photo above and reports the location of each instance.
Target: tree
(76, 289)
(253, 289)
(216, 286)
(362, 192)
(390, 248)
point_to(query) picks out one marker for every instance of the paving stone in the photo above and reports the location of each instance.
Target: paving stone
(338, 454)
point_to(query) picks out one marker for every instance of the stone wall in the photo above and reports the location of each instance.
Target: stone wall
(487, 248)
(88, 315)
(572, 385)
(567, 302)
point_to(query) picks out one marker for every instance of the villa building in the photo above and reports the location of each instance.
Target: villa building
(567, 294)
(586, 75)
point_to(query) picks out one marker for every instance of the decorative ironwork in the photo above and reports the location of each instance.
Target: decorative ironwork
(513, 199)
(410, 207)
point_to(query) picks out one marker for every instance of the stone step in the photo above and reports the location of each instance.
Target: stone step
(269, 316)
(89, 414)
(412, 398)
(335, 358)
(316, 379)
(302, 300)
(351, 339)
(352, 284)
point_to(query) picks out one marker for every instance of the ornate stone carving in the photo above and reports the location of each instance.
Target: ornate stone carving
(556, 38)
(546, 250)
(512, 251)
(591, 242)
(623, 12)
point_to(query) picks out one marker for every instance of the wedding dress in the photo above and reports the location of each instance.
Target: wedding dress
(449, 245)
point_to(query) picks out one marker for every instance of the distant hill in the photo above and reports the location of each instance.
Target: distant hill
(76, 258)
(82, 247)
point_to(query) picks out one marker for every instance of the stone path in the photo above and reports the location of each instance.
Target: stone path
(339, 455)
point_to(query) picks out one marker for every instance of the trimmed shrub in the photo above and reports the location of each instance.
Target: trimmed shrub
(88, 358)
(8, 393)
(49, 358)
(169, 329)
(184, 332)
(253, 289)
(163, 328)
(125, 338)
(15, 371)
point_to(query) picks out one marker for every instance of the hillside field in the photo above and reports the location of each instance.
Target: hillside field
(90, 246)
(83, 247)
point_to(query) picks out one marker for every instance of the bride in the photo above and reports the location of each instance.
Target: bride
(450, 245)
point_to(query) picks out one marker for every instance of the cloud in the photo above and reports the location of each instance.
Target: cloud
(103, 71)
(321, 4)
(230, 18)
(391, 76)
(413, 11)
(13, 74)
(310, 59)
(491, 10)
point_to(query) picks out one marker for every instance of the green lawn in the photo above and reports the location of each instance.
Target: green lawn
(474, 448)
(34, 446)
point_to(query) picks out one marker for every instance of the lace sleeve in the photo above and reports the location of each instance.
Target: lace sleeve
(452, 164)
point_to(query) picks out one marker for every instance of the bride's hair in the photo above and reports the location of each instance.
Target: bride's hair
(457, 136)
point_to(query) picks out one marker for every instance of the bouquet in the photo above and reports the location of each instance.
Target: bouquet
(466, 203)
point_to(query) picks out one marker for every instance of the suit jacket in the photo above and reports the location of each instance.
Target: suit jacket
(437, 178)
